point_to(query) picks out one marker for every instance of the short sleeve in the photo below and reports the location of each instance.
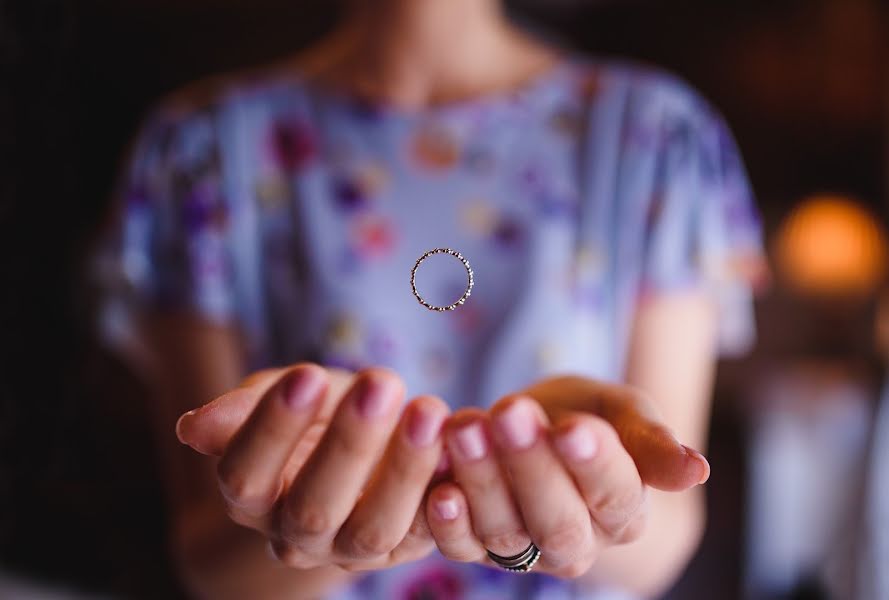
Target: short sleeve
(166, 246)
(701, 225)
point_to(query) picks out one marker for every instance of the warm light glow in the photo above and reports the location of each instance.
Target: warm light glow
(831, 245)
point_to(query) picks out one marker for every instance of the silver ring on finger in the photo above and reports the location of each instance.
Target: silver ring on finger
(522, 562)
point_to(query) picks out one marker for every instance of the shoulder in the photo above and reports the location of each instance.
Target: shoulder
(194, 122)
(237, 92)
(646, 95)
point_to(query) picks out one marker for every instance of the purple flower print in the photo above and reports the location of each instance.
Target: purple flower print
(202, 207)
(348, 195)
(434, 584)
(292, 143)
(508, 234)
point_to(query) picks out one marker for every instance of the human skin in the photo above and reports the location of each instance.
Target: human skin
(620, 507)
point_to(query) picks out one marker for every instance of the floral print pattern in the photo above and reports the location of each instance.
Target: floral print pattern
(296, 216)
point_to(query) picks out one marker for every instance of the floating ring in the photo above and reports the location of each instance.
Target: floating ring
(469, 280)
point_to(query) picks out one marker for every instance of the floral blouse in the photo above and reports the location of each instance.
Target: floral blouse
(296, 215)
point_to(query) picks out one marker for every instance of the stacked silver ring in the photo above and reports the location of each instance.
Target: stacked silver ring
(469, 282)
(521, 562)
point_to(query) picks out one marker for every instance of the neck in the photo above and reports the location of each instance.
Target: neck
(414, 53)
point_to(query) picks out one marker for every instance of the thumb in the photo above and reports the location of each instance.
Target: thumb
(663, 462)
(209, 428)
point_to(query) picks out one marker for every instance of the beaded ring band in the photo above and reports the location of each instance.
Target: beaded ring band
(522, 562)
(469, 276)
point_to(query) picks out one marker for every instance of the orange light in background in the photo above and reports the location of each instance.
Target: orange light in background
(831, 245)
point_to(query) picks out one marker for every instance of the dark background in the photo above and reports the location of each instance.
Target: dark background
(801, 82)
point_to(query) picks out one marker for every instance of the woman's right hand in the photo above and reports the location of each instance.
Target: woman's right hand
(322, 465)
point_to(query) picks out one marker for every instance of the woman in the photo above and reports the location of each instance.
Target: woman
(275, 220)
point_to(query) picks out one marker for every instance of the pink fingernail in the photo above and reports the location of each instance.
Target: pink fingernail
(447, 509)
(302, 389)
(578, 444)
(519, 424)
(374, 397)
(423, 426)
(704, 464)
(470, 443)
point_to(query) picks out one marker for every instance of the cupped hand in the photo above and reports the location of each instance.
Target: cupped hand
(566, 463)
(323, 465)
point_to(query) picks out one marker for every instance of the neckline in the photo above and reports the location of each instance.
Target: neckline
(518, 96)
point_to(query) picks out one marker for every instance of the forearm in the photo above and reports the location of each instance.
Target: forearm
(672, 533)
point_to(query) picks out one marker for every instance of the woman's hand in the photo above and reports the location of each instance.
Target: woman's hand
(322, 465)
(565, 464)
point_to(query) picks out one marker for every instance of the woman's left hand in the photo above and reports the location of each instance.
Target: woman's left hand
(564, 463)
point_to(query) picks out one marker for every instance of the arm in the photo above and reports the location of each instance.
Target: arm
(672, 359)
(191, 362)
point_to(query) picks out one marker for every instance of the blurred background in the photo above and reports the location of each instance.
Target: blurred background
(795, 499)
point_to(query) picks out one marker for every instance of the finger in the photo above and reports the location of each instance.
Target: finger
(495, 517)
(662, 461)
(263, 378)
(553, 511)
(447, 513)
(604, 473)
(417, 543)
(387, 507)
(210, 428)
(329, 484)
(250, 471)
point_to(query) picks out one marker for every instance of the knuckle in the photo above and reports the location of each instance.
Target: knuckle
(633, 530)
(308, 521)
(357, 566)
(576, 569)
(566, 540)
(291, 557)
(464, 555)
(351, 445)
(513, 540)
(242, 491)
(579, 568)
(368, 542)
(239, 516)
(419, 529)
(620, 505)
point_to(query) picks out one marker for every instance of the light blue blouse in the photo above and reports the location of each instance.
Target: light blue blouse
(296, 214)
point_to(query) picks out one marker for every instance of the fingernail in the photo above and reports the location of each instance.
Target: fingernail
(519, 424)
(423, 426)
(469, 442)
(704, 464)
(374, 397)
(447, 509)
(180, 425)
(577, 444)
(302, 389)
